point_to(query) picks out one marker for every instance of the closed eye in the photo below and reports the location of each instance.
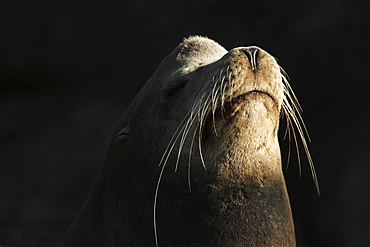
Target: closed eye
(179, 86)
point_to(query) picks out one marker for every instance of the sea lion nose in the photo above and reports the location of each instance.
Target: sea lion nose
(252, 54)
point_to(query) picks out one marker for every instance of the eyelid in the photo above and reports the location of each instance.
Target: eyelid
(178, 85)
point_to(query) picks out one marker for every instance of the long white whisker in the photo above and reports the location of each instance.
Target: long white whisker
(155, 204)
(287, 133)
(172, 142)
(186, 130)
(190, 154)
(203, 115)
(293, 110)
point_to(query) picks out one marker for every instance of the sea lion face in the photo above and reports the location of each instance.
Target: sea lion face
(203, 96)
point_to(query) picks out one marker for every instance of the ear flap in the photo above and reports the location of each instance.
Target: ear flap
(123, 135)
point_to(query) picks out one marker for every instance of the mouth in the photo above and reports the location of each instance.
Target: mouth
(228, 109)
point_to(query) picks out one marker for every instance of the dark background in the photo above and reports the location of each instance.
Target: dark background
(68, 70)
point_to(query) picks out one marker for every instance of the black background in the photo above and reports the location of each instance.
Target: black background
(69, 69)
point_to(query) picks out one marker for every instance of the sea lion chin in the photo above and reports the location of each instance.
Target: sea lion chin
(195, 160)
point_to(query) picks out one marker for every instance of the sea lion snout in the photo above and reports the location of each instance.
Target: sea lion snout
(252, 54)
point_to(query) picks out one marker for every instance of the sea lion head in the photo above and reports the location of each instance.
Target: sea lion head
(202, 94)
(197, 152)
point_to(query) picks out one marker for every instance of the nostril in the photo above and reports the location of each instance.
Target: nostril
(252, 54)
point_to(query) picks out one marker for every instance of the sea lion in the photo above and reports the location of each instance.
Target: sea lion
(195, 160)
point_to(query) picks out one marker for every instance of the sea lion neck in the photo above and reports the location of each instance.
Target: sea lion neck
(238, 161)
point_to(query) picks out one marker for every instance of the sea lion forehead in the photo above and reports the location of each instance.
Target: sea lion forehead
(197, 50)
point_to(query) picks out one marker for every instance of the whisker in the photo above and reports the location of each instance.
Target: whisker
(223, 85)
(186, 130)
(292, 110)
(172, 142)
(190, 154)
(182, 130)
(215, 98)
(202, 120)
(287, 133)
(155, 205)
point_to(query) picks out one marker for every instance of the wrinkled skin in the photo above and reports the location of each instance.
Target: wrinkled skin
(240, 199)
